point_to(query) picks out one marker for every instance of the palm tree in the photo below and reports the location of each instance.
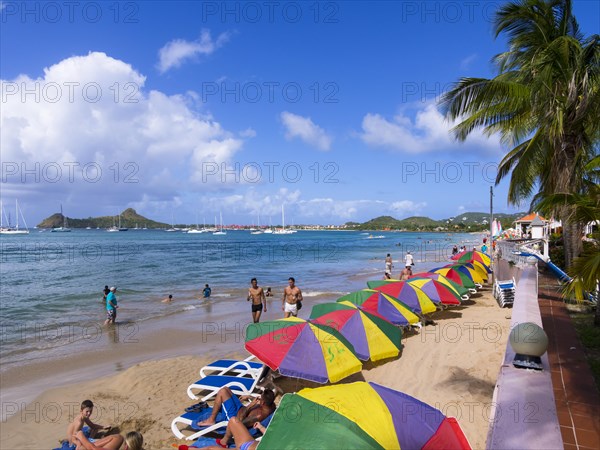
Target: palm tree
(585, 208)
(544, 102)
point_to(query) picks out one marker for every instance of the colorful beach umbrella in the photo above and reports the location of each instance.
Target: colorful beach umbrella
(473, 256)
(462, 291)
(456, 276)
(481, 267)
(410, 295)
(372, 336)
(301, 349)
(385, 305)
(372, 284)
(436, 291)
(360, 415)
(469, 270)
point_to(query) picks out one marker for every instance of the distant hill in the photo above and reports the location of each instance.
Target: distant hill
(129, 219)
(471, 221)
(421, 223)
(380, 223)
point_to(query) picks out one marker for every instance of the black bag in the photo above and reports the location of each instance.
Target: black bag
(298, 305)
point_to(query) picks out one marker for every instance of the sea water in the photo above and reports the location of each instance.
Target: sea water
(52, 283)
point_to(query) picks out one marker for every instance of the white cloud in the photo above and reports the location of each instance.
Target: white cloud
(248, 133)
(138, 145)
(405, 207)
(174, 53)
(253, 201)
(428, 132)
(304, 128)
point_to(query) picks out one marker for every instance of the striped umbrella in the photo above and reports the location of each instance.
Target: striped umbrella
(436, 291)
(456, 276)
(301, 349)
(410, 295)
(473, 256)
(385, 305)
(371, 335)
(462, 291)
(469, 270)
(360, 415)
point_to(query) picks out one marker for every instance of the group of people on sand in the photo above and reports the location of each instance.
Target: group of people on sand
(406, 273)
(240, 418)
(83, 434)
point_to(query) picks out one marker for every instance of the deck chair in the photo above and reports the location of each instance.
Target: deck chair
(212, 384)
(233, 366)
(191, 419)
(504, 292)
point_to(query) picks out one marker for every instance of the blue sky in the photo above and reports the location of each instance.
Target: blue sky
(189, 108)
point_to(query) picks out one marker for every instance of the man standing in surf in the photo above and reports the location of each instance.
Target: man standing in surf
(257, 295)
(292, 299)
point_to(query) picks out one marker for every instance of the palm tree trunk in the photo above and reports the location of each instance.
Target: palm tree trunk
(572, 244)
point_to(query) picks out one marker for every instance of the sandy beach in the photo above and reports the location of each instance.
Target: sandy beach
(451, 365)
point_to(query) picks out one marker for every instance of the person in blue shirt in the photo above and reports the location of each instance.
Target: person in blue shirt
(207, 290)
(111, 306)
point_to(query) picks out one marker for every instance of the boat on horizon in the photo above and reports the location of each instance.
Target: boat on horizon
(220, 232)
(64, 228)
(256, 230)
(15, 229)
(282, 230)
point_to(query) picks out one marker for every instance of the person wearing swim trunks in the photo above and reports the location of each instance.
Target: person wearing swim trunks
(406, 273)
(291, 296)
(258, 410)
(259, 301)
(239, 432)
(227, 406)
(111, 306)
(82, 423)
(388, 264)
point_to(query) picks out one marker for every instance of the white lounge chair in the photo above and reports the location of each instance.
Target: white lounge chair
(212, 384)
(191, 419)
(233, 366)
(504, 291)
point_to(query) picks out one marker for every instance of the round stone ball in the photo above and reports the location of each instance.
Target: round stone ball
(529, 339)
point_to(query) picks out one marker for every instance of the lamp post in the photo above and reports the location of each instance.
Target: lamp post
(491, 246)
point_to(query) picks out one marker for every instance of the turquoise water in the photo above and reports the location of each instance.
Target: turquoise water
(52, 282)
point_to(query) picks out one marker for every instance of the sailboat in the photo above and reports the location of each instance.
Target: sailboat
(270, 229)
(257, 231)
(16, 229)
(197, 229)
(172, 229)
(64, 228)
(220, 232)
(120, 227)
(282, 230)
(114, 227)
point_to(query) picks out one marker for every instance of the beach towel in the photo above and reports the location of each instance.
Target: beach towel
(209, 442)
(65, 443)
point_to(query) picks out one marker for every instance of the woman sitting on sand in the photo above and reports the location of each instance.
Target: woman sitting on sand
(133, 441)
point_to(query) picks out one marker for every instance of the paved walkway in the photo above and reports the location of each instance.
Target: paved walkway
(577, 397)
